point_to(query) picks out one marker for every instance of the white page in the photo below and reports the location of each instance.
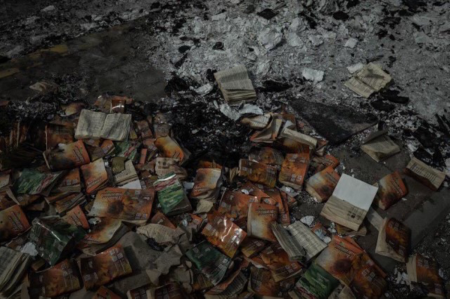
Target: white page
(355, 192)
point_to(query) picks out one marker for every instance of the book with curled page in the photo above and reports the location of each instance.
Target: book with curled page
(235, 85)
(268, 134)
(223, 233)
(393, 240)
(350, 202)
(391, 189)
(260, 217)
(427, 175)
(425, 271)
(321, 185)
(97, 125)
(67, 156)
(379, 146)
(258, 172)
(300, 242)
(57, 280)
(104, 267)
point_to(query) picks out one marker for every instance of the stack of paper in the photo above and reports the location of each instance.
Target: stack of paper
(100, 125)
(350, 202)
(235, 85)
(13, 266)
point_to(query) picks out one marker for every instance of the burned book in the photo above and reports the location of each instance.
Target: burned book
(57, 134)
(33, 181)
(393, 240)
(293, 170)
(425, 271)
(232, 286)
(369, 80)
(70, 183)
(207, 184)
(379, 146)
(320, 163)
(260, 217)
(132, 205)
(13, 267)
(103, 235)
(68, 202)
(95, 176)
(430, 177)
(315, 283)
(100, 125)
(67, 156)
(106, 148)
(322, 184)
(299, 241)
(164, 166)
(171, 195)
(368, 281)
(350, 202)
(235, 204)
(77, 217)
(235, 85)
(262, 284)
(391, 189)
(127, 175)
(277, 260)
(60, 279)
(268, 134)
(104, 267)
(296, 136)
(268, 156)
(258, 172)
(105, 293)
(223, 233)
(210, 261)
(13, 222)
(53, 237)
(170, 148)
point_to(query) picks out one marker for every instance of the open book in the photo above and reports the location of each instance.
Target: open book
(235, 85)
(350, 202)
(369, 80)
(380, 146)
(97, 125)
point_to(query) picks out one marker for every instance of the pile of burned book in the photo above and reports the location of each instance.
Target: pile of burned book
(115, 207)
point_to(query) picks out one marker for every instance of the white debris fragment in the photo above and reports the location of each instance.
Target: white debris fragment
(312, 75)
(351, 43)
(355, 68)
(48, 8)
(326, 239)
(269, 38)
(421, 38)
(294, 24)
(202, 90)
(308, 220)
(221, 16)
(294, 40)
(236, 114)
(251, 109)
(315, 40)
(229, 112)
(30, 249)
(188, 185)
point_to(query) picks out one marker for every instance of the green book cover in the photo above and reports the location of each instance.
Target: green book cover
(317, 283)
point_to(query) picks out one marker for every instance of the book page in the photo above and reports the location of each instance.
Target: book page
(355, 192)
(116, 127)
(304, 236)
(90, 124)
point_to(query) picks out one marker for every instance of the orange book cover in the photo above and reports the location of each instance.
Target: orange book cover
(95, 175)
(170, 148)
(267, 155)
(56, 134)
(67, 156)
(263, 284)
(368, 283)
(398, 237)
(320, 163)
(13, 222)
(391, 189)
(160, 218)
(260, 216)
(68, 202)
(252, 246)
(77, 217)
(252, 189)
(224, 234)
(206, 183)
(169, 291)
(277, 260)
(427, 274)
(143, 129)
(59, 279)
(339, 257)
(294, 169)
(104, 293)
(98, 152)
(125, 204)
(258, 172)
(322, 184)
(235, 204)
(104, 267)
